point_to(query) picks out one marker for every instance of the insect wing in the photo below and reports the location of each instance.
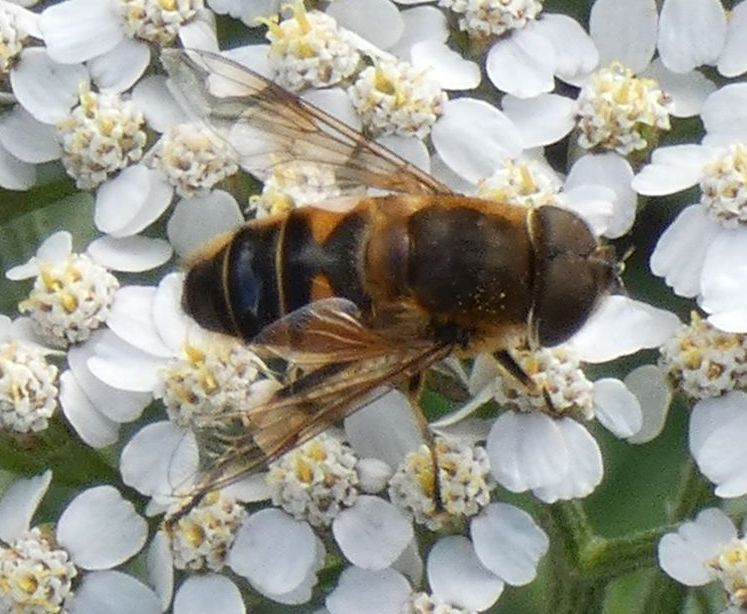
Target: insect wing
(269, 127)
(344, 363)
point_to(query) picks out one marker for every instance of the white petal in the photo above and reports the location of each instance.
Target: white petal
(130, 254)
(410, 148)
(585, 467)
(508, 542)
(624, 32)
(687, 90)
(172, 324)
(159, 460)
(723, 281)
(447, 67)
(100, 529)
(372, 533)
(131, 201)
(682, 249)
(337, 103)
(672, 169)
(724, 112)
(457, 576)
(199, 33)
(716, 442)
(733, 59)
(684, 554)
(522, 64)
(46, 89)
(617, 408)
(15, 174)
(273, 551)
(421, 23)
(621, 326)
(653, 391)
(368, 592)
(131, 318)
(78, 30)
(117, 405)
(95, 429)
(691, 33)
(28, 139)
(97, 589)
(378, 21)
(448, 177)
(160, 565)
(209, 594)
(197, 220)
(252, 56)
(18, 505)
(613, 172)
(117, 70)
(153, 98)
(541, 120)
(526, 451)
(574, 52)
(473, 138)
(251, 489)
(123, 366)
(385, 429)
(56, 246)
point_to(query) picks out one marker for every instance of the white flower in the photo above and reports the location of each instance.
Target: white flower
(386, 429)
(98, 531)
(72, 292)
(626, 33)
(461, 577)
(397, 98)
(693, 33)
(539, 444)
(71, 299)
(28, 382)
(116, 35)
(692, 253)
(705, 550)
(534, 48)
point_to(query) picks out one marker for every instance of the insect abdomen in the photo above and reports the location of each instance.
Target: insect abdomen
(272, 267)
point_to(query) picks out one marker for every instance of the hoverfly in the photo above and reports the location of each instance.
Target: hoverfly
(373, 295)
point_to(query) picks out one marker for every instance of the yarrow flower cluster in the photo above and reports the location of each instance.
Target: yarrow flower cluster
(723, 186)
(201, 539)
(397, 98)
(526, 183)
(705, 362)
(192, 159)
(207, 379)
(315, 481)
(102, 135)
(28, 388)
(618, 111)
(309, 50)
(156, 21)
(70, 299)
(442, 485)
(483, 18)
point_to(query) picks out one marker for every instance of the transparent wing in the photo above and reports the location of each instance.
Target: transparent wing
(269, 127)
(237, 444)
(344, 364)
